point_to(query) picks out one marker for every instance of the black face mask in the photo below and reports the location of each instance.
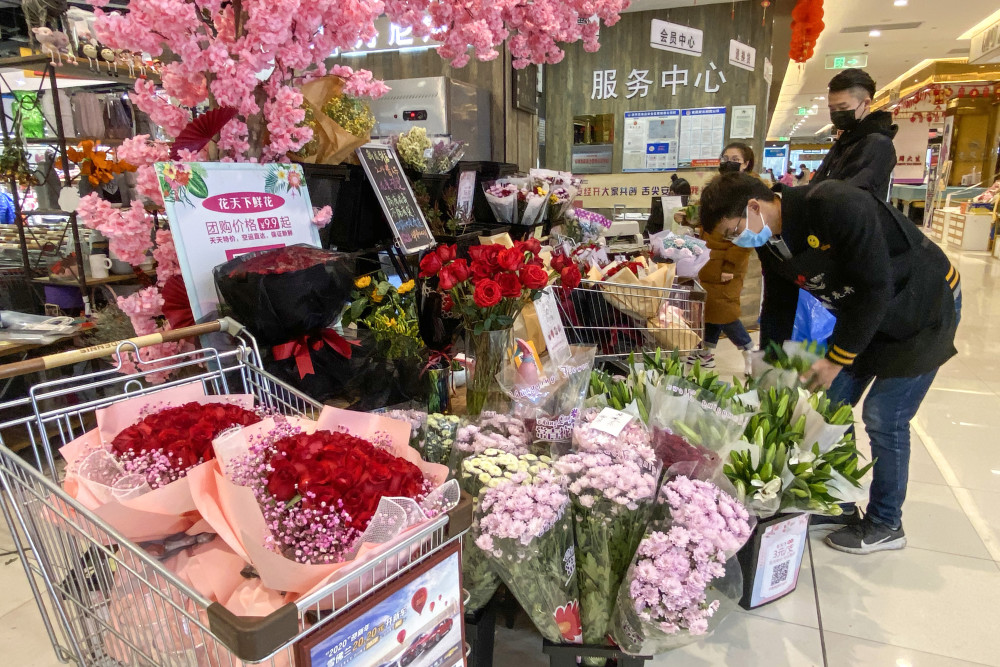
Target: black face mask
(729, 167)
(844, 119)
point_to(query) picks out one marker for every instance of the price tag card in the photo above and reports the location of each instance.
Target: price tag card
(466, 191)
(553, 330)
(611, 421)
(781, 548)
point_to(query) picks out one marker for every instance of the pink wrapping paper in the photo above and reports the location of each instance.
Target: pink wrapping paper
(234, 514)
(160, 512)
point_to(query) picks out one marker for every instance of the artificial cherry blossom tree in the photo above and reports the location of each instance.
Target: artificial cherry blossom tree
(252, 56)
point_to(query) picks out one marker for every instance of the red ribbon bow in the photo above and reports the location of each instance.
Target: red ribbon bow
(301, 348)
(436, 358)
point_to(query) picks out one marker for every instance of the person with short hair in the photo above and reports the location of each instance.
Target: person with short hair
(897, 299)
(863, 154)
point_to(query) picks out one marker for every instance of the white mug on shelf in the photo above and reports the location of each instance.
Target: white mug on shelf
(99, 265)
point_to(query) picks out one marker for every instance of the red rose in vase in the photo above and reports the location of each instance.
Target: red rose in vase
(481, 270)
(534, 277)
(430, 265)
(510, 286)
(510, 259)
(487, 293)
(446, 253)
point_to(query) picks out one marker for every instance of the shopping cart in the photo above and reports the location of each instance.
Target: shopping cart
(622, 319)
(75, 561)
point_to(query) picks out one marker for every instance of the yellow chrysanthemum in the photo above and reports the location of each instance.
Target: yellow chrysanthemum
(363, 282)
(406, 287)
(376, 297)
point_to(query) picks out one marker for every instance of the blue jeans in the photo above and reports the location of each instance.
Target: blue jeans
(891, 405)
(735, 331)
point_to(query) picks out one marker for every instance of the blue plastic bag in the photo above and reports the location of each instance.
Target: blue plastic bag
(812, 320)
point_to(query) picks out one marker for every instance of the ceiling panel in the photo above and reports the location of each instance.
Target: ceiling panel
(935, 35)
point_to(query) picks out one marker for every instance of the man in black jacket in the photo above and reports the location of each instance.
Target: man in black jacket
(863, 155)
(897, 299)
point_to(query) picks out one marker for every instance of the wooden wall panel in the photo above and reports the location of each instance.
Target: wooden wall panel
(624, 46)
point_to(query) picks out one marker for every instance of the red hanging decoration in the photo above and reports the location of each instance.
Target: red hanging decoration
(765, 4)
(807, 24)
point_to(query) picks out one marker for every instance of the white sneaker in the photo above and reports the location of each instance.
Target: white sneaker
(706, 359)
(748, 362)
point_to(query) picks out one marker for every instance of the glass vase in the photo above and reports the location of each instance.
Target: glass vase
(489, 352)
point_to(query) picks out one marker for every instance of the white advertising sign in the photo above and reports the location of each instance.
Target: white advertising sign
(675, 37)
(985, 46)
(742, 55)
(219, 211)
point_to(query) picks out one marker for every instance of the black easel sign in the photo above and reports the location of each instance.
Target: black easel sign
(394, 194)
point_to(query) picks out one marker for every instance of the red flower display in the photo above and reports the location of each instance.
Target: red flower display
(325, 469)
(489, 289)
(166, 444)
(487, 293)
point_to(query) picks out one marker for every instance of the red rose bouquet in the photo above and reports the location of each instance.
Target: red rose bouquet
(299, 499)
(319, 491)
(164, 445)
(133, 469)
(488, 292)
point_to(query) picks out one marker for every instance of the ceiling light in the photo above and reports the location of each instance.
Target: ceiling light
(821, 97)
(874, 33)
(900, 3)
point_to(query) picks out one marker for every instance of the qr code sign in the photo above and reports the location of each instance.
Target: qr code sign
(779, 575)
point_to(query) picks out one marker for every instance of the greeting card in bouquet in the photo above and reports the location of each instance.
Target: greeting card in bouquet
(134, 469)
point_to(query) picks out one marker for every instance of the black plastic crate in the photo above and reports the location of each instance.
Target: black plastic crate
(358, 221)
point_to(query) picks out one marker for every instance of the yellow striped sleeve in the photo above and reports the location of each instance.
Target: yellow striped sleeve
(953, 277)
(841, 352)
(838, 359)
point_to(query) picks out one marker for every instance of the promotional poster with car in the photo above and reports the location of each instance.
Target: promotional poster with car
(418, 625)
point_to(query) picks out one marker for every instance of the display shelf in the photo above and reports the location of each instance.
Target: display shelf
(40, 63)
(968, 231)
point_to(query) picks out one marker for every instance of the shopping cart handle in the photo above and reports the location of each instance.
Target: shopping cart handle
(37, 364)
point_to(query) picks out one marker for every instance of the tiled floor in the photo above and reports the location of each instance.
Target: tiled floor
(934, 604)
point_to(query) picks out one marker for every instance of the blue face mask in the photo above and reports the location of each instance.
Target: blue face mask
(751, 239)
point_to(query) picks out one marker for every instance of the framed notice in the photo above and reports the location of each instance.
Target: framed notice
(651, 140)
(744, 119)
(219, 211)
(703, 134)
(416, 621)
(393, 190)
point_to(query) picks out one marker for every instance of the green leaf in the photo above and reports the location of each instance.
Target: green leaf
(197, 186)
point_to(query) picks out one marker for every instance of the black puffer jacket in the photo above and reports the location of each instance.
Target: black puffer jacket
(863, 156)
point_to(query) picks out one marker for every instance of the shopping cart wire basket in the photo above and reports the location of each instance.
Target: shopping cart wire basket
(623, 319)
(107, 601)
